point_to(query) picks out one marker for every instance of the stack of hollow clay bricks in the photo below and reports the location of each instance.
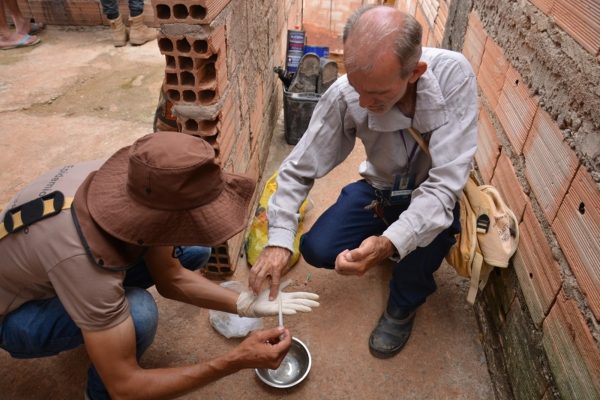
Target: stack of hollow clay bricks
(195, 82)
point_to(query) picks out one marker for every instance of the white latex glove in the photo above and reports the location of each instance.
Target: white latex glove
(251, 305)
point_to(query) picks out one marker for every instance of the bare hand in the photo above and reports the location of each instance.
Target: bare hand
(263, 349)
(271, 263)
(371, 252)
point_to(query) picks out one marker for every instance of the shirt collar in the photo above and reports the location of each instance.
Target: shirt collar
(430, 110)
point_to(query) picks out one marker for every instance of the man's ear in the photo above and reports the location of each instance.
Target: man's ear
(419, 70)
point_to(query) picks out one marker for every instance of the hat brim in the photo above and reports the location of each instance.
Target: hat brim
(118, 214)
(106, 250)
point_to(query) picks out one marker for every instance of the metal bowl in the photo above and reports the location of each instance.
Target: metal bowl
(293, 369)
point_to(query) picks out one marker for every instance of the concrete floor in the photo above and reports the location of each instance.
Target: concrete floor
(75, 97)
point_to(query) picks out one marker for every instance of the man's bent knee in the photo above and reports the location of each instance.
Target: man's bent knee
(193, 257)
(316, 253)
(144, 313)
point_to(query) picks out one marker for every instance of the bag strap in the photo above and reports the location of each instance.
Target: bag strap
(471, 189)
(33, 211)
(479, 203)
(481, 209)
(475, 275)
(419, 139)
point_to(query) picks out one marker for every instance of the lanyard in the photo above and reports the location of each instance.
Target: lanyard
(412, 152)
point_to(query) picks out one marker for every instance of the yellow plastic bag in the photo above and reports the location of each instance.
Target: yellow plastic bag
(257, 237)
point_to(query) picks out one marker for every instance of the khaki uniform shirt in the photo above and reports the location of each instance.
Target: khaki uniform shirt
(47, 259)
(446, 114)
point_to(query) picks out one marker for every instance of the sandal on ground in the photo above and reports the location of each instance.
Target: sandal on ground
(390, 335)
(25, 41)
(36, 27)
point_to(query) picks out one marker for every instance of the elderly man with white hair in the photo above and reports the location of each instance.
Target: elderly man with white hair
(405, 206)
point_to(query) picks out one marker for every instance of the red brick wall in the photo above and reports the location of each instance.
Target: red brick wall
(523, 152)
(75, 12)
(219, 58)
(568, 200)
(331, 14)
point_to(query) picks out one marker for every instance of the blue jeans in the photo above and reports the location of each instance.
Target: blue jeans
(42, 328)
(346, 224)
(110, 8)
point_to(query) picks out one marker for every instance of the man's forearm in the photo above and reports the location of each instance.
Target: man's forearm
(167, 383)
(192, 288)
(113, 353)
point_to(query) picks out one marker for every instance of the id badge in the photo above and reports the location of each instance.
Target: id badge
(402, 190)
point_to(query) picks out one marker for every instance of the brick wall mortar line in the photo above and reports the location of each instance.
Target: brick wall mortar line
(514, 157)
(567, 275)
(492, 117)
(570, 285)
(565, 195)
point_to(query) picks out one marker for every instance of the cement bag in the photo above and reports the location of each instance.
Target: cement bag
(257, 236)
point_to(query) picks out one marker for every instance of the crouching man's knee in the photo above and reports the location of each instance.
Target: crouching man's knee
(144, 313)
(317, 252)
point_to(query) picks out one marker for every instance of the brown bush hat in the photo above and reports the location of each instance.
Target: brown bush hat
(166, 189)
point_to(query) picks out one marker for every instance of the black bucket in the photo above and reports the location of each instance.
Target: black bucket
(297, 111)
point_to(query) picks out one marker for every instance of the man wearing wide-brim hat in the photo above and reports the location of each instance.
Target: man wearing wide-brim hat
(77, 273)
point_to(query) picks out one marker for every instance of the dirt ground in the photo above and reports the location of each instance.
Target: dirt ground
(76, 97)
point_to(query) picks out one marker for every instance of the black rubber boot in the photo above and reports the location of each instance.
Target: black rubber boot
(391, 334)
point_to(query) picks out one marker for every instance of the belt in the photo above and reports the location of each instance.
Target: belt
(383, 195)
(382, 199)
